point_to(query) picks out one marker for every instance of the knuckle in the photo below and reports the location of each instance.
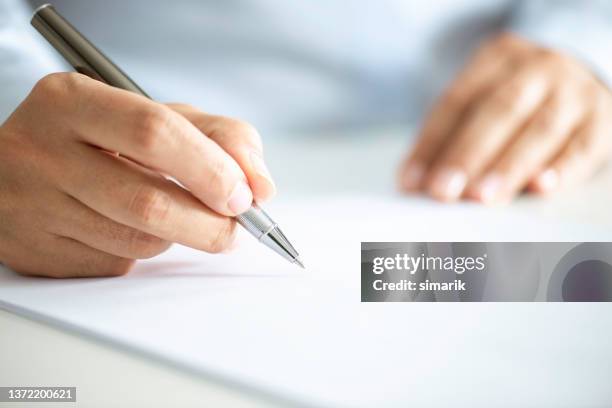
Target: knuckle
(150, 128)
(584, 145)
(504, 100)
(549, 58)
(242, 126)
(150, 207)
(223, 238)
(57, 84)
(144, 245)
(555, 62)
(183, 107)
(244, 130)
(544, 122)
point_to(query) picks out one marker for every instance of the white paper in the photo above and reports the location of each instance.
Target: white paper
(252, 320)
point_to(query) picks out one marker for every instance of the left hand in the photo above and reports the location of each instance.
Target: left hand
(517, 117)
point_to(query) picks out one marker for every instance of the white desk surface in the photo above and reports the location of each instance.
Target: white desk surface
(35, 354)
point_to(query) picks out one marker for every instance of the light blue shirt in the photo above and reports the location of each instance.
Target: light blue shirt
(298, 65)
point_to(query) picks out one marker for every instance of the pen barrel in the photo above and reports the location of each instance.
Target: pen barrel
(256, 221)
(261, 226)
(78, 51)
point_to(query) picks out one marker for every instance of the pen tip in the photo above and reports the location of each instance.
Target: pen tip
(298, 261)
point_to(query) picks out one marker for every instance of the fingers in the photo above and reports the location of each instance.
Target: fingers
(492, 123)
(496, 132)
(241, 141)
(534, 145)
(489, 64)
(151, 134)
(585, 152)
(60, 257)
(82, 224)
(139, 198)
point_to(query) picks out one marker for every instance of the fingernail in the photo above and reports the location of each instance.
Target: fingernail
(448, 184)
(413, 175)
(241, 198)
(488, 189)
(548, 180)
(261, 169)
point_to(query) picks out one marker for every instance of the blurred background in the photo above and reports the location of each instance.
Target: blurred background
(283, 66)
(337, 89)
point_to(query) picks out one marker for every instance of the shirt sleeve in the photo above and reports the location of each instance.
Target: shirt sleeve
(24, 55)
(582, 29)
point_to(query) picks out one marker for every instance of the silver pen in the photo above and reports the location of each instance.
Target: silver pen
(88, 60)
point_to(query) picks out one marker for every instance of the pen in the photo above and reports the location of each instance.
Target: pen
(88, 60)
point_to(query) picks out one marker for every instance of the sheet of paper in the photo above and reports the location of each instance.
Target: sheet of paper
(254, 321)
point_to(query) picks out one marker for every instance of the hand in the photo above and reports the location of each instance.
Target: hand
(517, 117)
(71, 206)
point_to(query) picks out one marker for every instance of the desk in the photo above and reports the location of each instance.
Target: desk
(364, 162)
